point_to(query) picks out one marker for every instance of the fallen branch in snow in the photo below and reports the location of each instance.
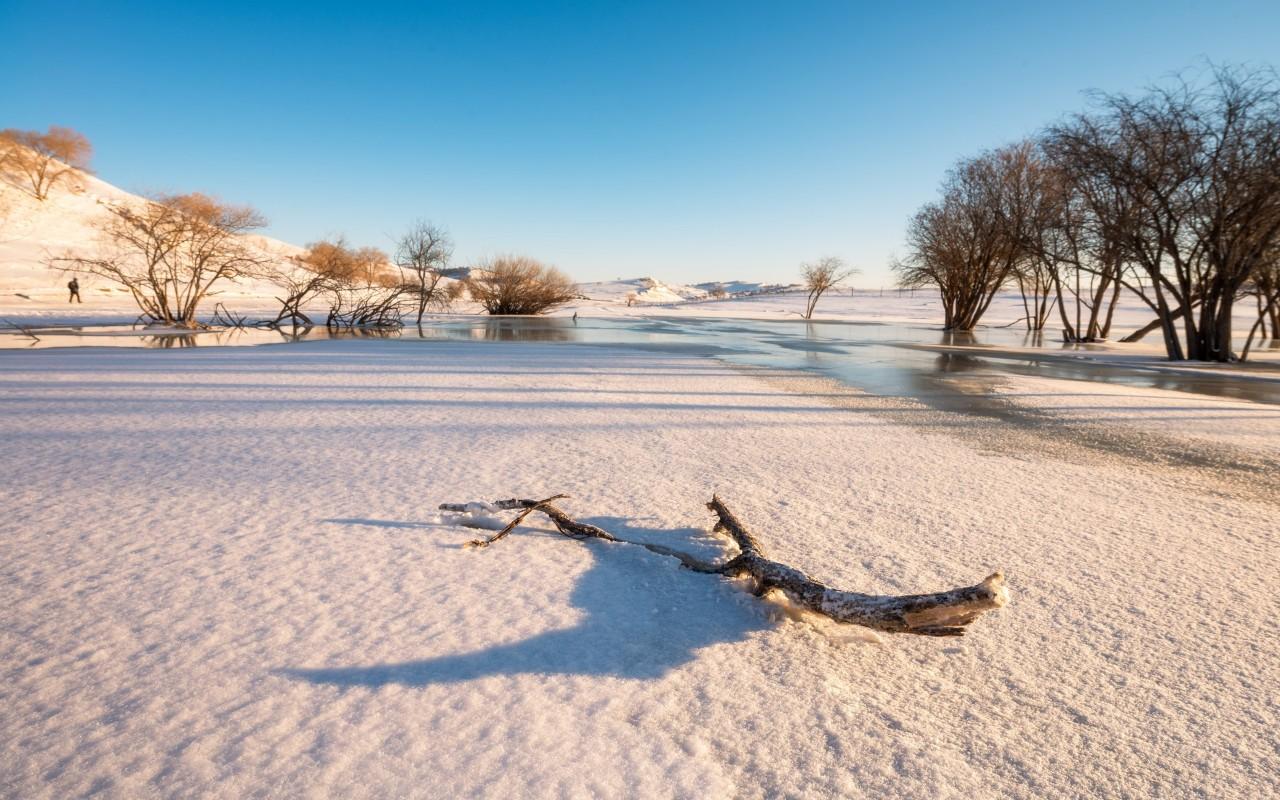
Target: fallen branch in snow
(938, 614)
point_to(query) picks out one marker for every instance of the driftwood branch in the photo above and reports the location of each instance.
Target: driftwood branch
(938, 614)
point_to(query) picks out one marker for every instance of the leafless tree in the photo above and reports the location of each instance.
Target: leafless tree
(38, 161)
(820, 276)
(1026, 195)
(717, 292)
(170, 252)
(968, 243)
(519, 285)
(374, 267)
(1197, 171)
(422, 254)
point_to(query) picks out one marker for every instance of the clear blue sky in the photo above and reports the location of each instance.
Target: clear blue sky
(691, 141)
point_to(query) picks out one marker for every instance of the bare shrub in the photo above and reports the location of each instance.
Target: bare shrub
(300, 285)
(38, 161)
(519, 285)
(355, 306)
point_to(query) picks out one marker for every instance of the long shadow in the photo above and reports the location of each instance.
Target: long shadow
(643, 616)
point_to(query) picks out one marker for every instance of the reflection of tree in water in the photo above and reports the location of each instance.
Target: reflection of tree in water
(171, 340)
(956, 362)
(374, 332)
(529, 329)
(958, 338)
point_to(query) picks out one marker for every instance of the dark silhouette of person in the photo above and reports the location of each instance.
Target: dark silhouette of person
(74, 286)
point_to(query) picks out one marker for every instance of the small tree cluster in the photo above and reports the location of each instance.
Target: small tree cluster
(37, 161)
(357, 283)
(1173, 195)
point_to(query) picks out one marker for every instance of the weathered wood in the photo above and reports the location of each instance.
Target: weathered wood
(938, 614)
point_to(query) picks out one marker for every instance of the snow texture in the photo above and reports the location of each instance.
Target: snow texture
(223, 575)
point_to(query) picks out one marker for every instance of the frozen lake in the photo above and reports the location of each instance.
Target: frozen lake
(944, 370)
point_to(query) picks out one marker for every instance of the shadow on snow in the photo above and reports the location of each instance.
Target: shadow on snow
(643, 615)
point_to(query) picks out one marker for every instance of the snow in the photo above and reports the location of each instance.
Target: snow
(1210, 420)
(32, 232)
(224, 575)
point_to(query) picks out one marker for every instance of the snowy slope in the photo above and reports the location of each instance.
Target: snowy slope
(34, 231)
(643, 290)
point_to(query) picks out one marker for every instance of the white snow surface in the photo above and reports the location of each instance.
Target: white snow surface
(224, 575)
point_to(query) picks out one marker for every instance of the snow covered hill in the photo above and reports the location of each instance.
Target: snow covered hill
(651, 291)
(34, 231)
(642, 291)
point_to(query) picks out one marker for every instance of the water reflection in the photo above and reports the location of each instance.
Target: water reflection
(170, 340)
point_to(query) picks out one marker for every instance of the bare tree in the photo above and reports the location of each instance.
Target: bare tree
(519, 285)
(334, 259)
(37, 161)
(422, 254)
(969, 242)
(1082, 237)
(374, 267)
(170, 252)
(820, 276)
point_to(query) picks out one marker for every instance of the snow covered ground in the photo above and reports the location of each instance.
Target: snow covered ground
(223, 574)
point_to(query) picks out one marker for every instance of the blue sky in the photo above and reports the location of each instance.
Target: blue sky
(690, 141)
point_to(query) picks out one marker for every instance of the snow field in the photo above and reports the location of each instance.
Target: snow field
(224, 575)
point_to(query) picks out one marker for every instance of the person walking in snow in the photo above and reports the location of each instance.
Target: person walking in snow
(74, 286)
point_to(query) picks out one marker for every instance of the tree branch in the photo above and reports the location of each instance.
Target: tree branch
(943, 613)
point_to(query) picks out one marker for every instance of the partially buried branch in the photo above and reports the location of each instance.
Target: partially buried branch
(938, 614)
